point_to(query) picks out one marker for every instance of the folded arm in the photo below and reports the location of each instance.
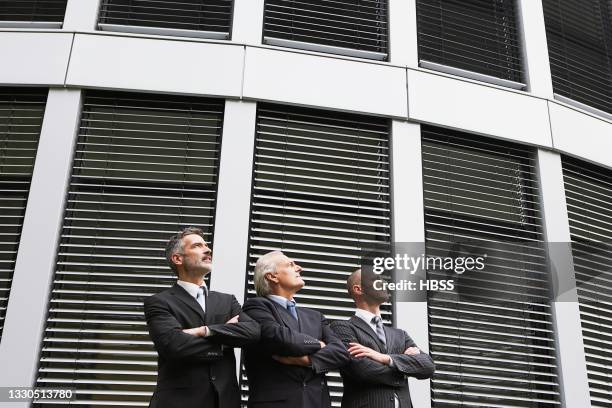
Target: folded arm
(241, 333)
(277, 338)
(419, 365)
(365, 370)
(170, 340)
(334, 355)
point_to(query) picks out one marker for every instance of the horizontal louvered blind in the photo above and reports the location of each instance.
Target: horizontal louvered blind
(21, 116)
(494, 348)
(185, 17)
(472, 35)
(145, 166)
(49, 11)
(579, 34)
(588, 190)
(321, 194)
(349, 27)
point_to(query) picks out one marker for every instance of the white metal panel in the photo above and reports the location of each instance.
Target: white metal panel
(247, 24)
(35, 261)
(574, 385)
(409, 226)
(81, 15)
(34, 58)
(403, 48)
(234, 199)
(535, 48)
(109, 61)
(325, 82)
(580, 134)
(477, 108)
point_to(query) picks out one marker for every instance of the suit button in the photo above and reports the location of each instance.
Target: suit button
(213, 378)
(392, 399)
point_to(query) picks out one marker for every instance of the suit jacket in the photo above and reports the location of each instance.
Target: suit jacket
(275, 385)
(369, 384)
(192, 370)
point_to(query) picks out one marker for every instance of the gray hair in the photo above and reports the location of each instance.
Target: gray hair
(265, 264)
(175, 244)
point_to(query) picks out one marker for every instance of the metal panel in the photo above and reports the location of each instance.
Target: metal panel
(473, 35)
(21, 116)
(290, 77)
(144, 167)
(489, 351)
(479, 108)
(155, 65)
(24, 53)
(341, 207)
(347, 27)
(588, 195)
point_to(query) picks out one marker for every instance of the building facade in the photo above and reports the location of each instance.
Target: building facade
(319, 128)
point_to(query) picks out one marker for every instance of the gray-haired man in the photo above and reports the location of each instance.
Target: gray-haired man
(287, 368)
(194, 330)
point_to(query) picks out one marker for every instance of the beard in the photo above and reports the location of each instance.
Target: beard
(196, 268)
(370, 294)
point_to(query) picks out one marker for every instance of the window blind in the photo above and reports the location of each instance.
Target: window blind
(195, 18)
(349, 27)
(471, 36)
(145, 166)
(588, 190)
(21, 116)
(33, 11)
(496, 347)
(579, 34)
(320, 195)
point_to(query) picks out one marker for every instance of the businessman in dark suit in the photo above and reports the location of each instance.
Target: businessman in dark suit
(194, 331)
(287, 368)
(382, 358)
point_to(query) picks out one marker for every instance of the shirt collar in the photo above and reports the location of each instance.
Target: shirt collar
(280, 300)
(365, 315)
(191, 288)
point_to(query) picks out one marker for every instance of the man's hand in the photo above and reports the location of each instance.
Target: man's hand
(233, 320)
(358, 351)
(303, 361)
(411, 351)
(321, 343)
(201, 331)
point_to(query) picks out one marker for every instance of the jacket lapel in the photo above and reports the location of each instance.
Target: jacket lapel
(285, 315)
(182, 295)
(210, 308)
(390, 336)
(368, 330)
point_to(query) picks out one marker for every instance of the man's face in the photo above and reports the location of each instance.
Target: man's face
(287, 275)
(196, 257)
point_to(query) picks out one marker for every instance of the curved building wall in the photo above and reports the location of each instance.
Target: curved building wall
(374, 86)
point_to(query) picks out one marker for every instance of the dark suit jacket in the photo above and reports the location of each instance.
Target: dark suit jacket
(275, 385)
(369, 384)
(193, 371)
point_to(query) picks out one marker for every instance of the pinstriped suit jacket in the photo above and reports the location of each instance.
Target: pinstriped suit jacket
(369, 384)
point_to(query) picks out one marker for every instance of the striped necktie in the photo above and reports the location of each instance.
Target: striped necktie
(380, 332)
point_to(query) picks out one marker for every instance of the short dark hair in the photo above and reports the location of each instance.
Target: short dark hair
(175, 244)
